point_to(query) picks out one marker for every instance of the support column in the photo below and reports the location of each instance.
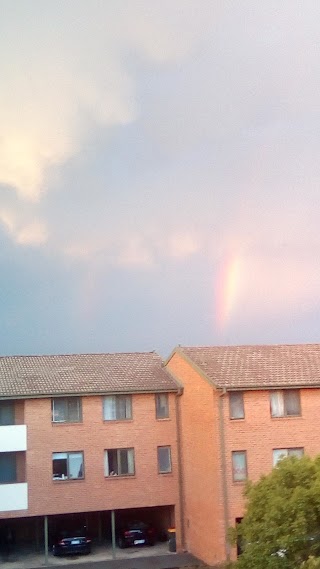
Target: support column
(113, 534)
(46, 541)
(100, 527)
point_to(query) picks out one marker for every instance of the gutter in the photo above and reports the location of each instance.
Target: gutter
(225, 497)
(180, 471)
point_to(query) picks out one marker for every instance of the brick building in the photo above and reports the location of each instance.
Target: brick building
(242, 409)
(111, 436)
(87, 437)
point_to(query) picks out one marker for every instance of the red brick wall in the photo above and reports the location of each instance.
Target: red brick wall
(93, 435)
(259, 434)
(202, 506)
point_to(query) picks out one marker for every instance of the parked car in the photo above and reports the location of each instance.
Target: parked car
(71, 543)
(136, 533)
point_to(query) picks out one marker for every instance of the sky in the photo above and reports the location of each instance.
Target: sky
(159, 174)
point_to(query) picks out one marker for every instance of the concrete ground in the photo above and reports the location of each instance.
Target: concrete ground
(157, 557)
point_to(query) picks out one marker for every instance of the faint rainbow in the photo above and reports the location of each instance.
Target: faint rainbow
(227, 289)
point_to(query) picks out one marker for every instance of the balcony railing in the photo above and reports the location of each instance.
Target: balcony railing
(13, 497)
(13, 438)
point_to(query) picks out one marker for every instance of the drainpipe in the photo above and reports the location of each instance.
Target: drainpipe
(113, 534)
(225, 497)
(180, 475)
(46, 541)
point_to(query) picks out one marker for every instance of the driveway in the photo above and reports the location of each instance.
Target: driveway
(156, 557)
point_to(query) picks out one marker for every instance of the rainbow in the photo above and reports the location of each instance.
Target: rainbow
(226, 289)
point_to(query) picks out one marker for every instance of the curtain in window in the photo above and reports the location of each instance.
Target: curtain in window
(130, 461)
(73, 405)
(276, 403)
(75, 465)
(106, 463)
(109, 408)
(164, 459)
(58, 410)
(236, 405)
(239, 465)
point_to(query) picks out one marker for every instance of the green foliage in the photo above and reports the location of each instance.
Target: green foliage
(281, 527)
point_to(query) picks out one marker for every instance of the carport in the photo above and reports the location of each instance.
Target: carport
(38, 533)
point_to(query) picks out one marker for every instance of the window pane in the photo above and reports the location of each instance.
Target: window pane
(7, 413)
(111, 463)
(276, 404)
(292, 402)
(60, 465)
(123, 405)
(239, 466)
(236, 405)
(123, 461)
(298, 452)
(75, 465)
(279, 454)
(162, 406)
(8, 468)
(74, 409)
(58, 410)
(164, 459)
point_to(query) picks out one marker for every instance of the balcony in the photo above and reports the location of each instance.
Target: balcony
(13, 438)
(13, 497)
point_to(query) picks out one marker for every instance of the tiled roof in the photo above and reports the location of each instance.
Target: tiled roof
(254, 367)
(83, 374)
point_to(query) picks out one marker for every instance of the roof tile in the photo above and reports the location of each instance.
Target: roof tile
(254, 367)
(33, 376)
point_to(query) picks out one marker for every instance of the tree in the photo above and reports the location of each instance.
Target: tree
(281, 526)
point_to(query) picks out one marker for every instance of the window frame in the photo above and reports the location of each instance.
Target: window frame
(159, 415)
(159, 449)
(67, 414)
(119, 474)
(68, 477)
(232, 415)
(287, 452)
(233, 454)
(284, 393)
(117, 400)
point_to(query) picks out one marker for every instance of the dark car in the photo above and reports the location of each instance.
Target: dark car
(71, 543)
(136, 533)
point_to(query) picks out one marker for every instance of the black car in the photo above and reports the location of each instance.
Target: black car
(71, 543)
(136, 533)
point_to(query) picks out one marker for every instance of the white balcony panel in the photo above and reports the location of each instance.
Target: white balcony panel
(13, 438)
(13, 497)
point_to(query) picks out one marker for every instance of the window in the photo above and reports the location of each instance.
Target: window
(66, 410)
(285, 403)
(67, 465)
(8, 468)
(117, 407)
(162, 406)
(164, 459)
(280, 453)
(239, 465)
(119, 462)
(236, 406)
(7, 413)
